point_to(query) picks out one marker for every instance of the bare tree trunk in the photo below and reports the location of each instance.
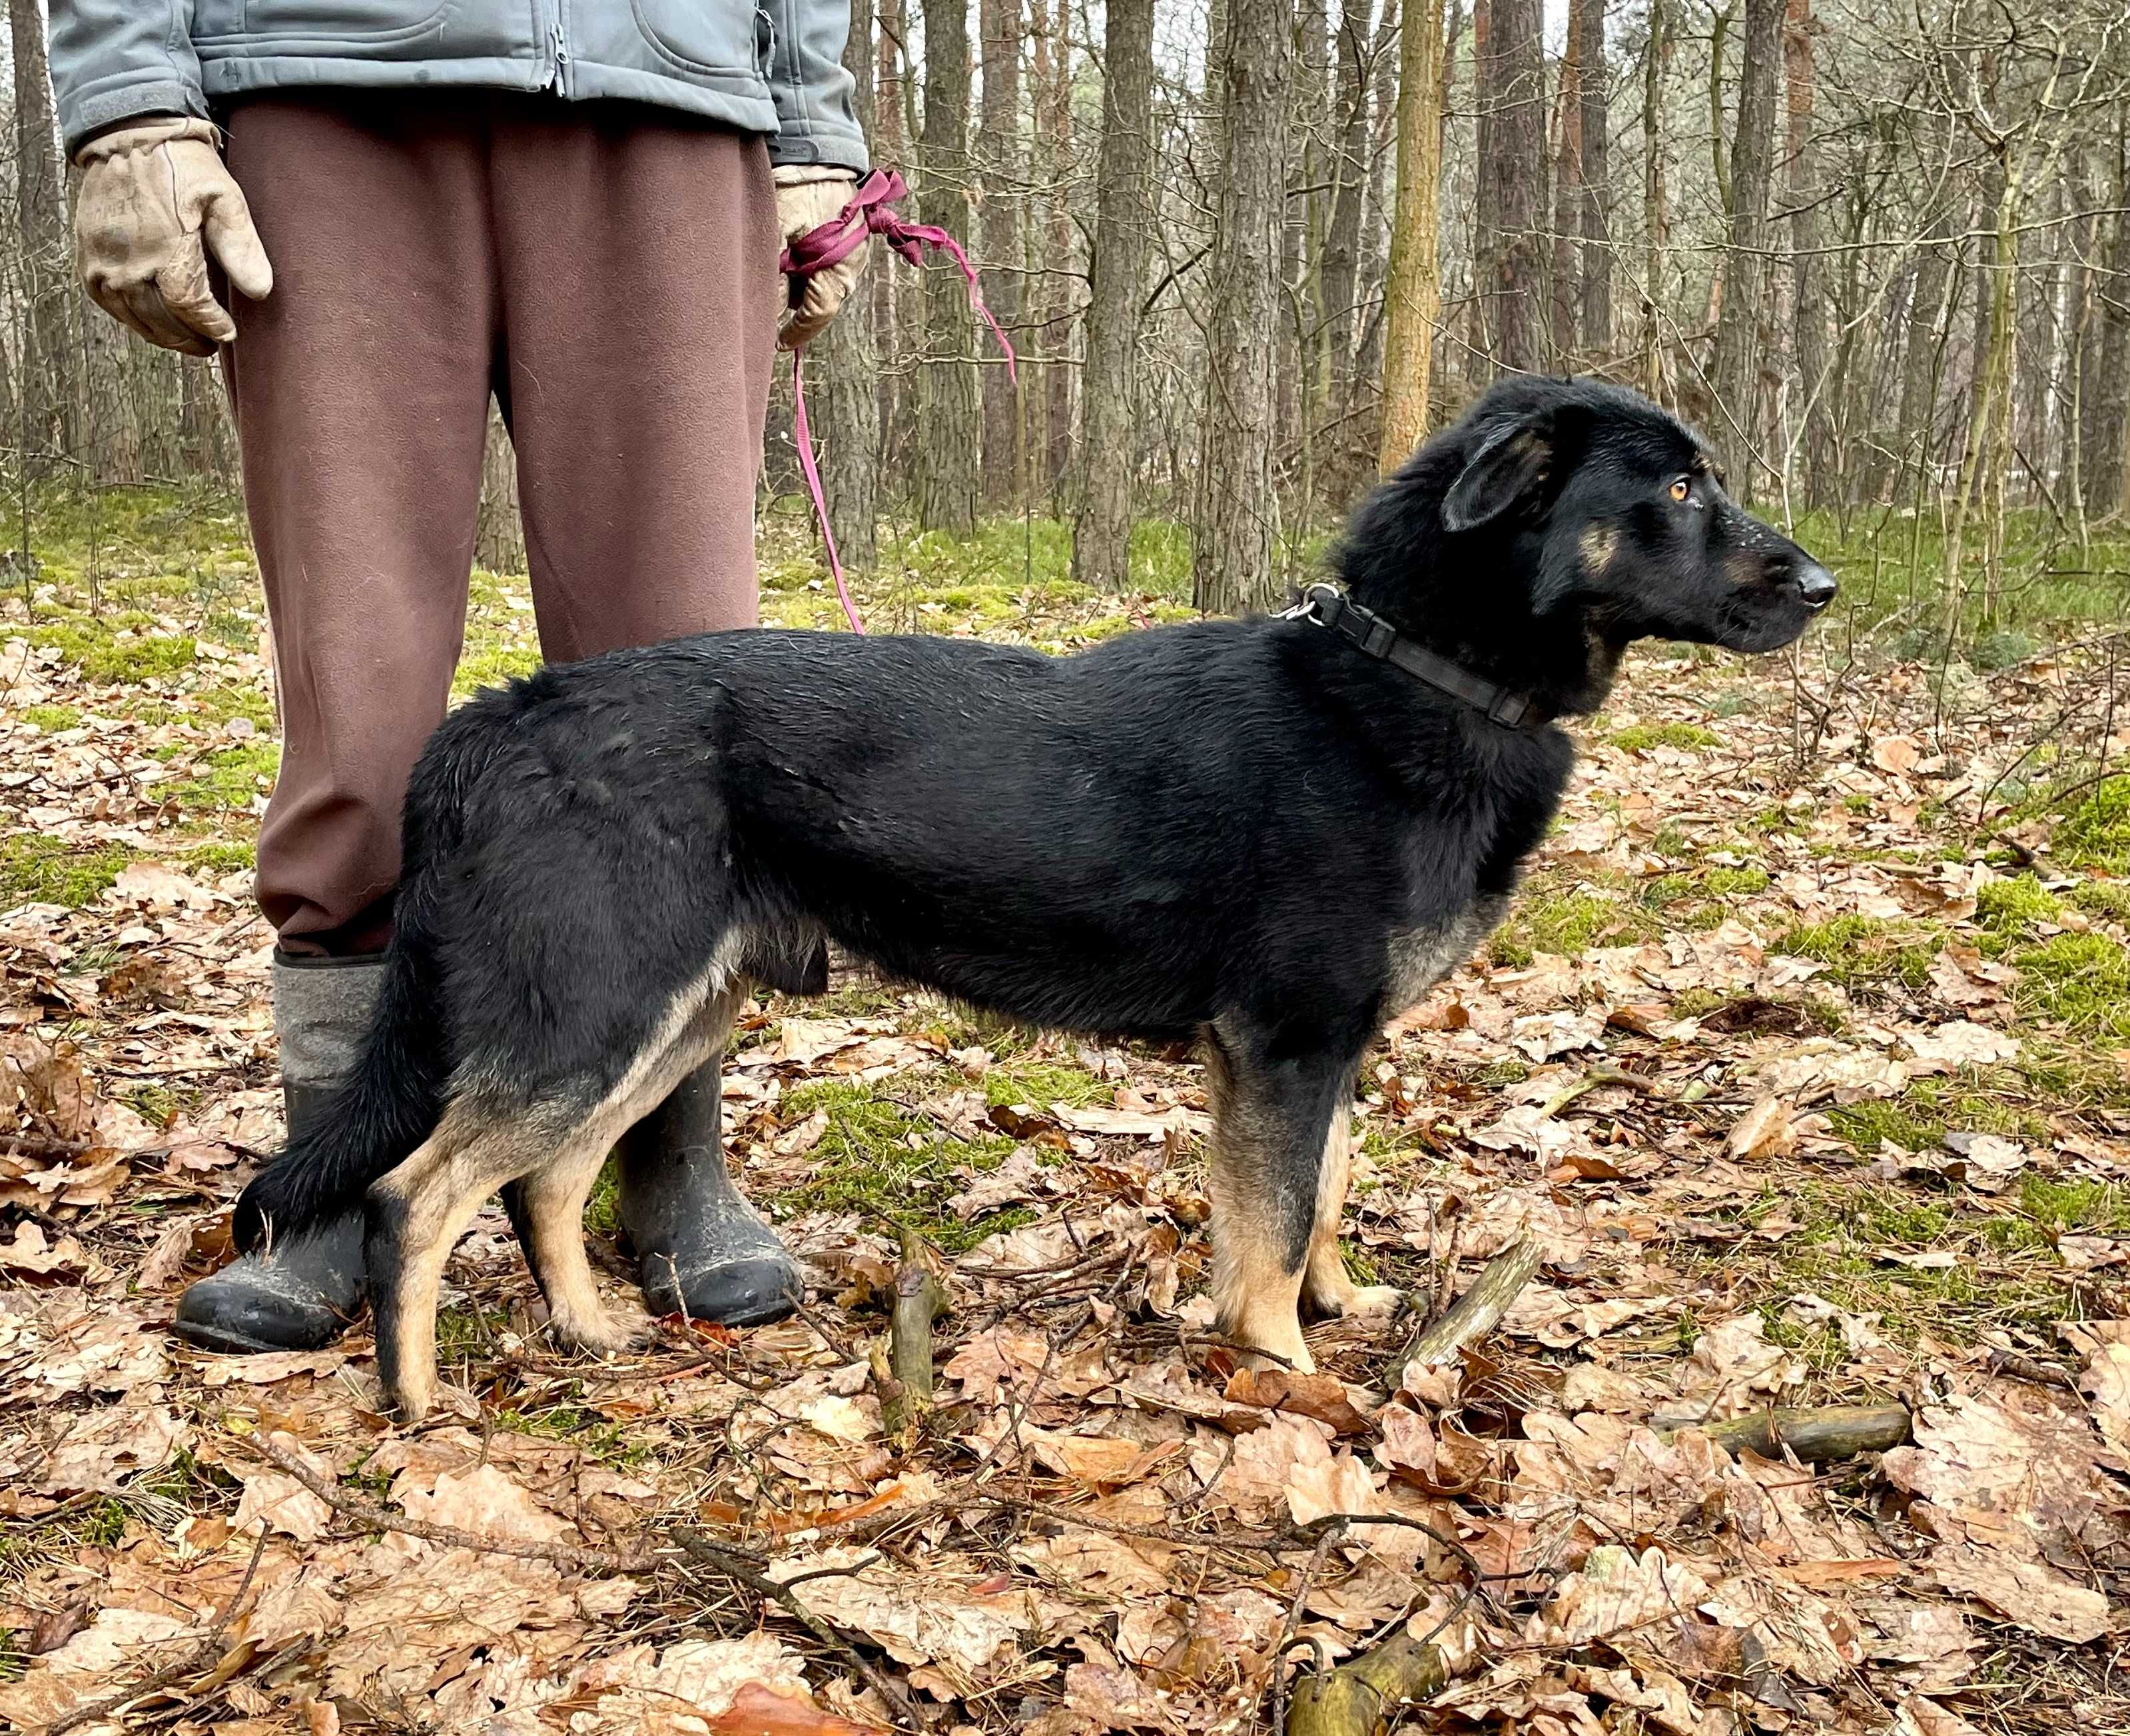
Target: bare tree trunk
(1734, 374)
(946, 383)
(1340, 277)
(845, 370)
(1565, 272)
(1102, 535)
(898, 295)
(49, 374)
(1412, 294)
(999, 151)
(1803, 192)
(498, 543)
(1597, 188)
(1058, 123)
(1233, 522)
(2104, 390)
(1656, 221)
(1512, 97)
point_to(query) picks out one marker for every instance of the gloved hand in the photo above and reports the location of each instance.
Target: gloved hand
(150, 192)
(808, 195)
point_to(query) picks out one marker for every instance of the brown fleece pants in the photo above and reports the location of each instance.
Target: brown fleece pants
(609, 272)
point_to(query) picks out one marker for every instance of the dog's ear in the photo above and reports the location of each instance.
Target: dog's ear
(1510, 463)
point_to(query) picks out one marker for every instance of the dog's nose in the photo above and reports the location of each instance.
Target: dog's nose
(1816, 586)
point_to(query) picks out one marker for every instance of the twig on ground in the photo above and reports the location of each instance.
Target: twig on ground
(1334, 1529)
(1818, 1436)
(1478, 1311)
(2032, 1370)
(902, 1371)
(581, 1556)
(207, 1652)
(740, 1565)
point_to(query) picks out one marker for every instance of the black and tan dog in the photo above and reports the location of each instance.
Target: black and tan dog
(1269, 835)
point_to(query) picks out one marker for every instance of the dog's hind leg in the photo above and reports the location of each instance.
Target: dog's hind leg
(1269, 1123)
(412, 1219)
(553, 1200)
(1326, 1288)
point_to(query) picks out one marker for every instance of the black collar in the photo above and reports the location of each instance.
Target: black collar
(1326, 605)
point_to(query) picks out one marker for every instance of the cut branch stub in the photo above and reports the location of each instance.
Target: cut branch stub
(1362, 1697)
(903, 1374)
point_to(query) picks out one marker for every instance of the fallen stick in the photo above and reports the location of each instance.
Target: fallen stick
(1360, 1697)
(904, 1373)
(1477, 1312)
(1817, 1436)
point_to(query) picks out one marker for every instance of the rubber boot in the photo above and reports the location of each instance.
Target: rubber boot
(700, 1249)
(302, 1294)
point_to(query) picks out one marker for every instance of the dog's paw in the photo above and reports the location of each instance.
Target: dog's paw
(1372, 1298)
(606, 1333)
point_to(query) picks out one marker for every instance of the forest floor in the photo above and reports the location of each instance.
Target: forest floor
(1804, 1063)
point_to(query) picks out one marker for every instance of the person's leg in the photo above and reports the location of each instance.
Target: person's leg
(639, 255)
(361, 388)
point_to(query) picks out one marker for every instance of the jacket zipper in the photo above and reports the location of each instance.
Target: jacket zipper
(558, 41)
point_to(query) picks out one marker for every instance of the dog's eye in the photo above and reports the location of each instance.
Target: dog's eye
(1680, 488)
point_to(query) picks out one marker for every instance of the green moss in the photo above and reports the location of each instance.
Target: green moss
(1734, 883)
(1640, 738)
(37, 869)
(2079, 1207)
(1836, 1237)
(1869, 1124)
(225, 856)
(125, 649)
(1044, 1084)
(2095, 830)
(884, 1161)
(2109, 899)
(490, 666)
(52, 719)
(230, 779)
(1860, 952)
(1570, 924)
(2009, 905)
(2083, 980)
(602, 1210)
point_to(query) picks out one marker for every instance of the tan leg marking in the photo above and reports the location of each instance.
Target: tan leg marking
(554, 1197)
(1326, 1288)
(426, 1204)
(1256, 1298)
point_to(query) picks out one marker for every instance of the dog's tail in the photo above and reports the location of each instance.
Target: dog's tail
(395, 1098)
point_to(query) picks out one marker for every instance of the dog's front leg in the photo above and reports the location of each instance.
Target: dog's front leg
(1270, 1121)
(1328, 1290)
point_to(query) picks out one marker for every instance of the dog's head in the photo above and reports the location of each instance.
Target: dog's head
(1616, 509)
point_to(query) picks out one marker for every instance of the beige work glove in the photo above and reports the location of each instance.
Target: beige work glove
(808, 195)
(151, 194)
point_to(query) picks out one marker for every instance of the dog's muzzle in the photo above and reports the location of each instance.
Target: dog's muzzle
(1816, 587)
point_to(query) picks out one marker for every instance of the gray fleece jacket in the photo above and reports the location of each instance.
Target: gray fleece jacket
(766, 66)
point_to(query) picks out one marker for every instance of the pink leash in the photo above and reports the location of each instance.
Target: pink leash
(870, 212)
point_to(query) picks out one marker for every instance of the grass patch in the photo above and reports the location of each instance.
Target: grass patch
(1687, 738)
(887, 1163)
(1861, 952)
(2009, 905)
(230, 779)
(224, 857)
(37, 869)
(51, 719)
(1044, 1084)
(2096, 829)
(1568, 924)
(491, 666)
(2082, 980)
(1842, 1230)
(124, 649)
